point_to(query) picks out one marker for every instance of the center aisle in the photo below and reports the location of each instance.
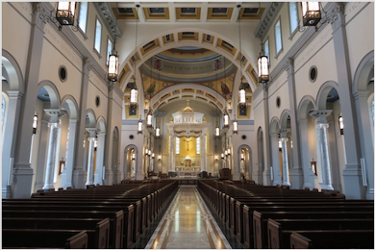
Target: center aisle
(188, 224)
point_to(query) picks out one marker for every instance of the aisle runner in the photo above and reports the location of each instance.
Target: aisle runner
(188, 224)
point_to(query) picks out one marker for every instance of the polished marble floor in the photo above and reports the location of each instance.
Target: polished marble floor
(188, 224)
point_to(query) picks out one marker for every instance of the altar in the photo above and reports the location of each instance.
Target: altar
(187, 172)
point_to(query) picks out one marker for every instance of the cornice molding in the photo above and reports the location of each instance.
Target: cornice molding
(265, 22)
(110, 20)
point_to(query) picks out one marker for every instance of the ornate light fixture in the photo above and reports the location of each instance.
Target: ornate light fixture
(152, 155)
(235, 127)
(134, 91)
(35, 124)
(113, 62)
(263, 74)
(217, 130)
(140, 125)
(159, 157)
(157, 131)
(226, 121)
(310, 13)
(65, 13)
(341, 125)
(226, 153)
(228, 150)
(242, 92)
(222, 156)
(146, 151)
(149, 120)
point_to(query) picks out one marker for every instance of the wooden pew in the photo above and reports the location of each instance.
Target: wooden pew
(42, 238)
(279, 230)
(97, 229)
(238, 212)
(116, 221)
(339, 239)
(260, 220)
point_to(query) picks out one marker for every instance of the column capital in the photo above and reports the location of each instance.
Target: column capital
(92, 131)
(283, 132)
(14, 94)
(320, 115)
(55, 114)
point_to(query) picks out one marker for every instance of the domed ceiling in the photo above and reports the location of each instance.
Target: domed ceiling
(191, 65)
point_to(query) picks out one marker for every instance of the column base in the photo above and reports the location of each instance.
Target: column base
(79, 177)
(6, 192)
(276, 177)
(353, 188)
(370, 194)
(296, 176)
(22, 181)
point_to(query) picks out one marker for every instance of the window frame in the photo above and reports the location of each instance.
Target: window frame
(268, 49)
(293, 32)
(95, 36)
(278, 52)
(83, 32)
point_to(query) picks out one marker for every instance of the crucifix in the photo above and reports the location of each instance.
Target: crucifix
(187, 143)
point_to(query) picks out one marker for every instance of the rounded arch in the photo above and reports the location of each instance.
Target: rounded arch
(101, 124)
(274, 125)
(284, 119)
(251, 60)
(70, 105)
(363, 72)
(13, 72)
(306, 104)
(90, 119)
(53, 93)
(136, 151)
(321, 97)
(249, 160)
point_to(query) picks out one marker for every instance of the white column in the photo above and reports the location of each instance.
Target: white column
(172, 167)
(203, 152)
(321, 129)
(284, 154)
(90, 163)
(51, 155)
(67, 174)
(9, 140)
(100, 159)
(274, 137)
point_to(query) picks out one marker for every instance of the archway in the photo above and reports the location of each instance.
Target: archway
(89, 153)
(363, 92)
(12, 92)
(130, 162)
(245, 159)
(274, 131)
(286, 149)
(306, 130)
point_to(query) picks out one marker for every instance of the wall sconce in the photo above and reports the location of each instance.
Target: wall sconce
(341, 125)
(313, 167)
(263, 75)
(152, 155)
(133, 156)
(146, 151)
(149, 121)
(228, 151)
(310, 13)
(280, 145)
(65, 13)
(140, 125)
(242, 157)
(226, 121)
(113, 66)
(222, 156)
(235, 127)
(216, 157)
(159, 157)
(35, 124)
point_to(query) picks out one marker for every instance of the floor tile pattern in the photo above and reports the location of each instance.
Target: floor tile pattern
(188, 224)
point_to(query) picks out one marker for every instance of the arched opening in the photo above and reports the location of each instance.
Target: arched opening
(245, 160)
(276, 153)
(260, 155)
(130, 162)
